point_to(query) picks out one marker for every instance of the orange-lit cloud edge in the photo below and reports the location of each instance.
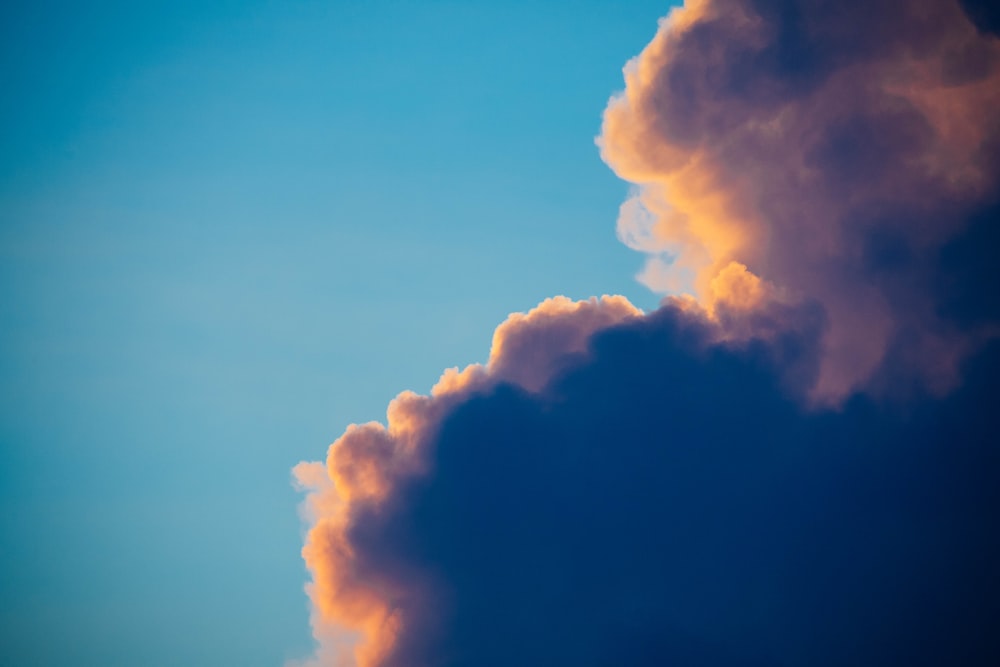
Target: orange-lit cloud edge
(737, 215)
(352, 619)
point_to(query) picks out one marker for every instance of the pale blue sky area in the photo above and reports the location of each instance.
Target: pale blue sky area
(228, 231)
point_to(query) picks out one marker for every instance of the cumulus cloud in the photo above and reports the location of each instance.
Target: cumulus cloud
(705, 485)
(831, 148)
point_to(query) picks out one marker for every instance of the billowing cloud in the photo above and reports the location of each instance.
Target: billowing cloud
(615, 488)
(830, 148)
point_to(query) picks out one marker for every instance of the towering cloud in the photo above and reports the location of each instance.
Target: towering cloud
(795, 464)
(832, 148)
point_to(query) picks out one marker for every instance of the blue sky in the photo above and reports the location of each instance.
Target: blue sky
(228, 231)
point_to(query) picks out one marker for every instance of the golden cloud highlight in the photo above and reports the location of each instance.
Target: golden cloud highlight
(828, 149)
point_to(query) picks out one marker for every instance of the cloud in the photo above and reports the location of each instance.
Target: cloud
(831, 148)
(794, 460)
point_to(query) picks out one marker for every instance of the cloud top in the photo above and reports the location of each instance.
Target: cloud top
(830, 148)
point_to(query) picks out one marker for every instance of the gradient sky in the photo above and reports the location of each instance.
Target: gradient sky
(229, 229)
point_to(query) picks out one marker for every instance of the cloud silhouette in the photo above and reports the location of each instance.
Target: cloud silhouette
(796, 463)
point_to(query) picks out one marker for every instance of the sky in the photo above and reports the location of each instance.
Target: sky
(232, 234)
(227, 231)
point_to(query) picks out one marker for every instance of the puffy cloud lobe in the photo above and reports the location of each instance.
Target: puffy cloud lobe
(529, 348)
(832, 148)
(663, 498)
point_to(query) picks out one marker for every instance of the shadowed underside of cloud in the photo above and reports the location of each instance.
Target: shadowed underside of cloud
(616, 488)
(663, 499)
(832, 148)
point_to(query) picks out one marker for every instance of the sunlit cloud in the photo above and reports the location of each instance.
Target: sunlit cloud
(717, 482)
(832, 150)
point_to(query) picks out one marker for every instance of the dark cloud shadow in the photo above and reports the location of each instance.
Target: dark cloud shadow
(668, 502)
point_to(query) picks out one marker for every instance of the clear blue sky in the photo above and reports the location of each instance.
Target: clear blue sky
(228, 231)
